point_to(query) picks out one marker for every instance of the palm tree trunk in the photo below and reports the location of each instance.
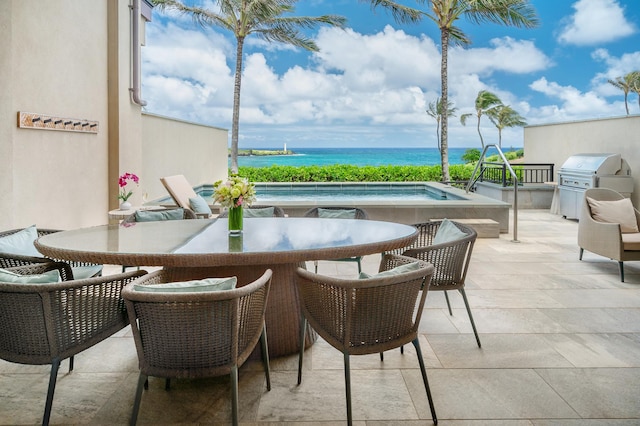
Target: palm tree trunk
(480, 133)
(236, 107)
(444, 99)
(626, 104)
(499, 138)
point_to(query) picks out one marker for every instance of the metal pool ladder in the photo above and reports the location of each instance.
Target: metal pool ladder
(472, 180)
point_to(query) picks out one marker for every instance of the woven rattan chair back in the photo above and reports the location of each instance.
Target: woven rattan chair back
(47, 323)
(196, 334)
(359, 213)
(277, 211)
(365, 316)
(450, 260)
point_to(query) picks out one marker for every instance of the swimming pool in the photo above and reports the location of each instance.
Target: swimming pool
(273, 193)
(402, 202)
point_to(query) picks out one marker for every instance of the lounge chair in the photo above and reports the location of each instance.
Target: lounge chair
(182, 193)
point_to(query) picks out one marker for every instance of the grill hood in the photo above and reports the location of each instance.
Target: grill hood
(596, 163)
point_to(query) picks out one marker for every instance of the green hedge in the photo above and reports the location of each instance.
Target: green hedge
(349, 173)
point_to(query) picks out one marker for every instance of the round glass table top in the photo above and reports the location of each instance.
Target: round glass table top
(208, 243)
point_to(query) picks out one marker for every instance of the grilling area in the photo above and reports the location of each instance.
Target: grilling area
(594, 170)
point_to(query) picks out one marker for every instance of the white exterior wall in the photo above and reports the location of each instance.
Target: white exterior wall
(555, 143)
(72, 58)
(53, 63)
(175, 147)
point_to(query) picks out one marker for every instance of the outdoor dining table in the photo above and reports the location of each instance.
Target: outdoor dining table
(208, 250)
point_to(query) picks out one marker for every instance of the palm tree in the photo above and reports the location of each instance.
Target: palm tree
(635, 85)
(626, 84)
(435, 111)
(516, 13)
(265, 19)
(486, 103)
(400, 13)
(504, 116)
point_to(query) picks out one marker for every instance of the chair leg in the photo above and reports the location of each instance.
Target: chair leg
(265, 356)
(316, 265)
(416, 343)
(142, 381)
(53, 376)
(347, 385)
(359, 260)
(234, 395)
(473, 324)
(70, 363)
(581, 253)
(303, 329)
(620, 264)
(446, 296)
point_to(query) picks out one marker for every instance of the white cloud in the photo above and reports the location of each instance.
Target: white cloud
(505, 54)
(616, 67)
(574, 104)
(367, 89)
(596, 22)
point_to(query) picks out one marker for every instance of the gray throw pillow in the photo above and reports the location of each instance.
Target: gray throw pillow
(208, 284)
(21, 243)
(407, 267)
(199, 205)
(46, 277)
(258, 212)
(447, 232)
(157, 215)
(337, 214)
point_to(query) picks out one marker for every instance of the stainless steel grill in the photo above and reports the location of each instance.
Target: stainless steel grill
(583, 171)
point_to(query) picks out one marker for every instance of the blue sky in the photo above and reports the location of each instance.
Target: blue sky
(371, 83)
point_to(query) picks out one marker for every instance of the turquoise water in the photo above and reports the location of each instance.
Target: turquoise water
(355, 156)
(273, 193)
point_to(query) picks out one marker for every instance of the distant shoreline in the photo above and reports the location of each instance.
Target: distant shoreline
(262, 152)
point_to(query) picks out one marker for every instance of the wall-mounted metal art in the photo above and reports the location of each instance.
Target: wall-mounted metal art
(31, 120)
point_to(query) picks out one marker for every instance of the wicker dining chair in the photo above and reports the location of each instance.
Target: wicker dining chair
(196, 334)
(450, 260)
(335, 211)
(258, 211)
(45, 323)
(366, 316)
(10, 260)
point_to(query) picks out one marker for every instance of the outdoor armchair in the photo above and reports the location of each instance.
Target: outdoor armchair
(45, 323)
(450, 259)
(366, 316)
(196, 334)
(184, 196)
(609, 226)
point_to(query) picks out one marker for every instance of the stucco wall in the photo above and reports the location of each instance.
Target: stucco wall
(53, 62)
(174, 147)
(556, 142)
(72, 58)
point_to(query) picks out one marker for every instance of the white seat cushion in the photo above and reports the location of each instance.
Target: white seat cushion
(631, 241)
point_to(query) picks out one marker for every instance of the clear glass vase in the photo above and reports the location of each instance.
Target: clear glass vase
(235, 220)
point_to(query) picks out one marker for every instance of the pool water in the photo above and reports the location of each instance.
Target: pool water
(275, 192)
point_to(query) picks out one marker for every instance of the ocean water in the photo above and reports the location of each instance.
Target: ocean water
(354, 156)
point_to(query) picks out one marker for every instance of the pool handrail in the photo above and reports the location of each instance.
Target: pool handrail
(515, 184)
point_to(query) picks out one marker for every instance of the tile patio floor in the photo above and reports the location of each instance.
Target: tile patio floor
(561, 346)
